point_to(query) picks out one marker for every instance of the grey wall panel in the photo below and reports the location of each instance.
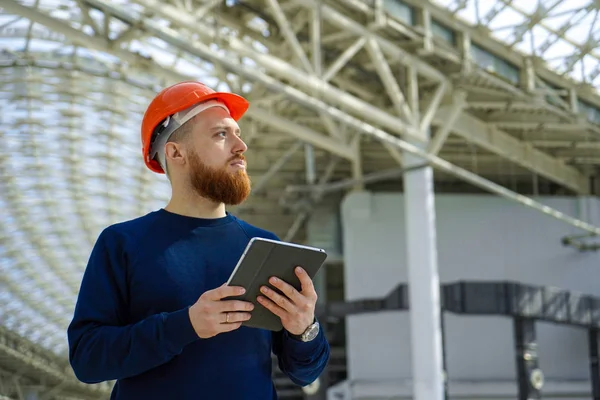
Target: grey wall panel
(479, 238)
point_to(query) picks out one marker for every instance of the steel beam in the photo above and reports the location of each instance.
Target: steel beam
(565, 174)
(174, 13)
(44, 366)
(260, 186)
(305, 134)
(441, 135)
(290, 37)
(274, 66)
(318, 140)
(507, 146)
(316, 197)
(389, 81)
(343, 22)
(465, 30)
(345, 184)
(343, 58)
(434, 105)
(275, 167)
(253, 74)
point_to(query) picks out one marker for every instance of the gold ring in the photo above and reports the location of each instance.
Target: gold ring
(227, 317)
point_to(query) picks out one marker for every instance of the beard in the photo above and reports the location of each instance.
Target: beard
(218, 184)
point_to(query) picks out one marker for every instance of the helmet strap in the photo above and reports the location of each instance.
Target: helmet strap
(173, 122)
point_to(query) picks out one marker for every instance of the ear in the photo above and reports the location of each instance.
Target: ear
(175, 153)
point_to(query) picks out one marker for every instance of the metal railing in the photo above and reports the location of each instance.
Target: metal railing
(524, 304)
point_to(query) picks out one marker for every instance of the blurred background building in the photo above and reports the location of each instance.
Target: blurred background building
(449, 147)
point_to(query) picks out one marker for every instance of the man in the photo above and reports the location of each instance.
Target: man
(149, 313)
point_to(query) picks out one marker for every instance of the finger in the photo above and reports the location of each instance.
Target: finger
(224, 291)
(229, 327)
(269, 305)
(234, 305)
(287, 289)
(307, 284)
(278, 299)
(235, 317)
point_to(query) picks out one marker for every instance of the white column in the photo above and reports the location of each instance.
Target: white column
(423, 279)
(423, 282)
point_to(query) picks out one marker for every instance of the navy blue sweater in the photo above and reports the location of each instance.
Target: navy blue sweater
(131, 321)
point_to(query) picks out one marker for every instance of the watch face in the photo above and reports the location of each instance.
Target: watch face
(312, 332)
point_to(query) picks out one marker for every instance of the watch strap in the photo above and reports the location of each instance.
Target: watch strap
(299, 337)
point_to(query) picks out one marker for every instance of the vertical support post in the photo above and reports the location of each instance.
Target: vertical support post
(424, 20)
(444, 359)
(379, 13)
(573, 101)
(311, 170)
(594, 363)
(423, 279)
(528, 75)
(357, 169)
(529, 376)
(464, 46)
(424, 287)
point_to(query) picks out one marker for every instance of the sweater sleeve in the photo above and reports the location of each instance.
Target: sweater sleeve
(102, 346)
(302, 362)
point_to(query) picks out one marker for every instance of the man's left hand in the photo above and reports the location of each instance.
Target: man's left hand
(296, 309)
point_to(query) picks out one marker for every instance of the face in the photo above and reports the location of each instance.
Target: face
(216, 164)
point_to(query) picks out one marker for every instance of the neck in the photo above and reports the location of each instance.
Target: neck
(190, 204)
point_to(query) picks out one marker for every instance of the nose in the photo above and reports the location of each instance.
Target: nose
(239, 146)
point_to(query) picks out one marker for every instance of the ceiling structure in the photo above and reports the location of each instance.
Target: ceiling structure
(565, 34)
(494, 96)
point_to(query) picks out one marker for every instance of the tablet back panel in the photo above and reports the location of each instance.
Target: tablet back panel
(266, 258)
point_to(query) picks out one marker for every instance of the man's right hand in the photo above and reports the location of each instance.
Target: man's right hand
(211, 315)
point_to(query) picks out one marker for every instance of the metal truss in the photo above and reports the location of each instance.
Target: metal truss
(563, 33)
(339, 89)
(27, 368)
(309, 88)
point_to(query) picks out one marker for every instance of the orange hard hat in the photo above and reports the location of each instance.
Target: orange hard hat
(176, 98)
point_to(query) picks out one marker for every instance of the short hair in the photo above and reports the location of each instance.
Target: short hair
(181, 134)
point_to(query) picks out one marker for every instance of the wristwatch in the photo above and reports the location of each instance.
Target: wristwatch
(309, 334)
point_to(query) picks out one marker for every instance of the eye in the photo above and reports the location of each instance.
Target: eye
(222, 134)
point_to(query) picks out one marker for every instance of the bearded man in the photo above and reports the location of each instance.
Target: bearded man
(150, 313)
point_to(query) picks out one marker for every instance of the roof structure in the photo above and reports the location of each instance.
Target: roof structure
(565, 34)
(341, 90)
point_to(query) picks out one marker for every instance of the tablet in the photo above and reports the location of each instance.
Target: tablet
(264, 258)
